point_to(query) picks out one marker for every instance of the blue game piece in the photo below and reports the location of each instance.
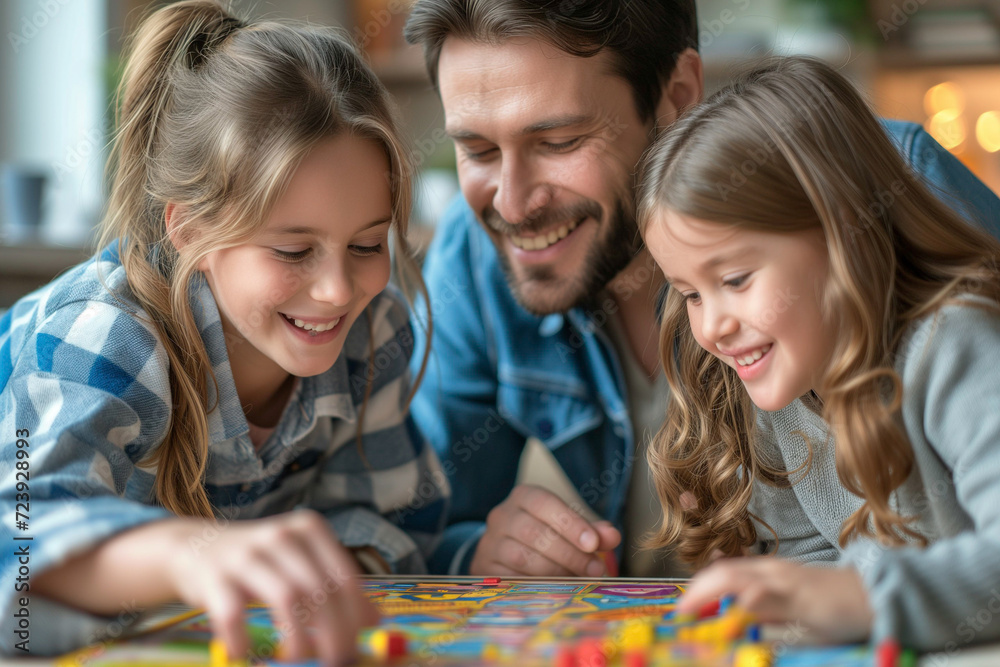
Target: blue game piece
(753, 633)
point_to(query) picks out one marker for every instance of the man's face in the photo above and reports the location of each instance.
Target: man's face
(546, 145)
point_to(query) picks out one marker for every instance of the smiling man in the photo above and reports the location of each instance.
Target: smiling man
(543, 297)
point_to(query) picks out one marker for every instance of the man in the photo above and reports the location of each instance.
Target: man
(543, 298)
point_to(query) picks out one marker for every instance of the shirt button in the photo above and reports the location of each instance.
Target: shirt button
(544, 427)
(619, 430)
(294, 467)
(245, 488)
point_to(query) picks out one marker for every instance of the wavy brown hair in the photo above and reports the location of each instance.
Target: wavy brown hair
(214, 114)
(791, 146)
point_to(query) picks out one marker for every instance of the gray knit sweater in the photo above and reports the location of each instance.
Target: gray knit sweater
(947, 595)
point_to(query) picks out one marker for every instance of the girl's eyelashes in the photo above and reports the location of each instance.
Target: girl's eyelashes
(365, 250)
(291, 256)
(737, 281)
(299, 255)
(691, 297)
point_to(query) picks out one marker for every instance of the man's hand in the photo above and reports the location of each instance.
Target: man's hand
(534, 533)
(831, 603)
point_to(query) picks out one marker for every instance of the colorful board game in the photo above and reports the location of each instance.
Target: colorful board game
(524, 622)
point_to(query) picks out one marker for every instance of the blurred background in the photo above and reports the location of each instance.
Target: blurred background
(935, 62)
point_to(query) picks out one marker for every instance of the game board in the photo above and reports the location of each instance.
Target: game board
(464, 621)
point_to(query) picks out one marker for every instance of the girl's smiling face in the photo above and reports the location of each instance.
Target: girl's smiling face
(754, 300)
(289, 296)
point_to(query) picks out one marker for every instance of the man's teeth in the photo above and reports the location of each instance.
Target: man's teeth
(543, 241)
(753, 356)
(318, 328)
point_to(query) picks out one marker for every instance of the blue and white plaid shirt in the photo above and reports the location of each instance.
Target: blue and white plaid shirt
(84, 378)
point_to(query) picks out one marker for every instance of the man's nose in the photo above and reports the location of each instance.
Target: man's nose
(520, 192)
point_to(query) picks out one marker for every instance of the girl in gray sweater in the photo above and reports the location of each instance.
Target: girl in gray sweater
(830, 334)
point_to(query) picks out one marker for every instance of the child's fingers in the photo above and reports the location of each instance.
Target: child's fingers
(337, 631)
(722, 578)
(333, 602)
(265, 581)
(340, 575)
(367, 611)
(224, 603)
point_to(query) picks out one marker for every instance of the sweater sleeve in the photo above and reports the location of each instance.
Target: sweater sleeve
(87, 398)
(948, 594)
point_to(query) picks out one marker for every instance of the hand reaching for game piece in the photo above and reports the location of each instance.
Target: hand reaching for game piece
(535, 533)
(293, 563)
(831, 603)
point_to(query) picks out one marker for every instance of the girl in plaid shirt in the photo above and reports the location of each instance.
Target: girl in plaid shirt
(231, 355)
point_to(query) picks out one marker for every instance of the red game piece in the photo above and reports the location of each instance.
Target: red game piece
(710, 609)
(887, 653)
(565, 657)
(610, 563)
(636, 658)
(491, 580)
(590, 653)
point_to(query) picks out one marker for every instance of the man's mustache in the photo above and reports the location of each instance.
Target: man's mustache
(543, 219)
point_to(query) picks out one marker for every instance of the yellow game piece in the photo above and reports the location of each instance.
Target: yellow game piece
(544, 638)
(705, 632)
(731, 627)
(218, 654)
(638, 634)
(491, 652)
(379, 641)
(752, 655)
(388, 644)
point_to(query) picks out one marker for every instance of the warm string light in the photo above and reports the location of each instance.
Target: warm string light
(945, 107)
(988, 131)
(944, 104)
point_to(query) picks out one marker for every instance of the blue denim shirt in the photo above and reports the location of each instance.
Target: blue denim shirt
(498, 374)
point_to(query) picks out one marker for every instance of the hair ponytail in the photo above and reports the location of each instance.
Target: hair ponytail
(175, 37)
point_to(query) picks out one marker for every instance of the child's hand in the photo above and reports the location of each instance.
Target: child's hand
(830, 602)
(293, 563)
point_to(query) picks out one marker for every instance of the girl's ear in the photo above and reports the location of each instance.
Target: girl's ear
(174, 217)
(684, 89)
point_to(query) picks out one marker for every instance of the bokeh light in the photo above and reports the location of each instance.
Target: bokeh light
(942, 97)
(988, 131)
(947, 128)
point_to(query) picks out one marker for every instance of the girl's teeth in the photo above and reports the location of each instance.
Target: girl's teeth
(754, 356)
(318, 328)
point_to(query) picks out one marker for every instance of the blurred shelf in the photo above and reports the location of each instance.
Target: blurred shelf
(906, 59)
(401, 67)
(27, 266)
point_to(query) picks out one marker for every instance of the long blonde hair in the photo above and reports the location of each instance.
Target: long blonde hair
(214, 114)
(791, 146)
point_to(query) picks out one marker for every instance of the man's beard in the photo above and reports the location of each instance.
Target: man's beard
(538, 289)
